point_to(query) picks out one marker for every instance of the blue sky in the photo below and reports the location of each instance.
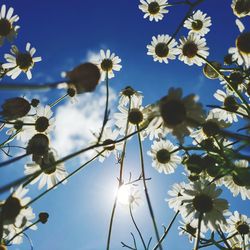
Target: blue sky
(64, 33)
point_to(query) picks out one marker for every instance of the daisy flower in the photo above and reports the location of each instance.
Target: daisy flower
(153, 9)
(7, 28)
(176, 193)
(202, 198)
(51, 173)
(235, 185)
(190, 47)
(128, 93)
(13, 210)
(107, 63)
(241, 8)
(179, 113)
(241, 53)
(134, 115)
(229, 105)
(42, 123)
(238, 223)
(163, 159)
(20, 61)
(162, 48)
(108, 137)
(198, 23)
(186, 228)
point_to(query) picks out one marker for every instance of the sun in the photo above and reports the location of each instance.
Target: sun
(124, 194)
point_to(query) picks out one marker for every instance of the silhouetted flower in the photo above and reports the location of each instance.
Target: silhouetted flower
(20, 62)
(162, 48)
(198, 23)
(190, 47)
(7, 28)
(153, 9)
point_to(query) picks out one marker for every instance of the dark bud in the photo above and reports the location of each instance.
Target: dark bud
(14, 108)
(194, 164)
(128, 91)
(71, 91)
(43, 217)
(84, 77)
(34, 103)
(228, 60)
(209, 72)
(38, 145)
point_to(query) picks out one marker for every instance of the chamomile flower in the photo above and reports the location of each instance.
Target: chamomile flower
(128, 93)
(7, 28)
(229, 107)
(162, 48)
(108, 137)
(51, 173)
(41, 122)
(238, 224)
(202, 198)
(241, 8)
(107, 63)
(154, 9)
(163, 158)
(190, 47)
(198, 23)
(176, 193)
(234, 184)
(241, 53)
(180, 114)
(20, 61)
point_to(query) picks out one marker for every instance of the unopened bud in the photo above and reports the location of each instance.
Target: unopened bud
(43, 217)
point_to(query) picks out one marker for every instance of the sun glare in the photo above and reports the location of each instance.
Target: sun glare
(124, 194)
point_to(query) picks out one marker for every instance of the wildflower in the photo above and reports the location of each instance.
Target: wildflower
(128, 93)
(229, 107)
(83, 78)
(176, 193)
(234, 183)
(108, 63)
(154, 9)
(163, 158)
(51, 174)
(14, 108)
(241, 8)
(7, 28)
(190, 47)
(198, 23)
(162, 48)
(201, 198)
(20, 61)
(180, 114)
(108, 137)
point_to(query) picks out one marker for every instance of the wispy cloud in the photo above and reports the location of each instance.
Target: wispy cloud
(75, 123)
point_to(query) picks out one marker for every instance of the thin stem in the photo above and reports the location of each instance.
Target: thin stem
(146, 190)
(197, 239)
(106, 112)
(120, 182)
(26, 228)
(137, 228)
(58, 100)
(2, 164)
(166, 230)
(64, 179)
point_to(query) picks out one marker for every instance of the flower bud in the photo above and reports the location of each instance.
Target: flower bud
(43, 217)
(14, 108)
(209, 72)
(84, 77)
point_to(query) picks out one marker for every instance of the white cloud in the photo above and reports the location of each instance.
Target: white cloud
(76, 122)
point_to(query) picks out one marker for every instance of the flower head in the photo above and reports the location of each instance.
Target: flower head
(190, 48)
(202, 198)
(241, 8)
(198, 23)
(108, 63)
(162, 48)
(7, 28)
(20, 61)
(164, 160)
(154, 9)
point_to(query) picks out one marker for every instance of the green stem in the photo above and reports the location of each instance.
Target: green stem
(197, 239)
(58, 100)
(146, 190)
